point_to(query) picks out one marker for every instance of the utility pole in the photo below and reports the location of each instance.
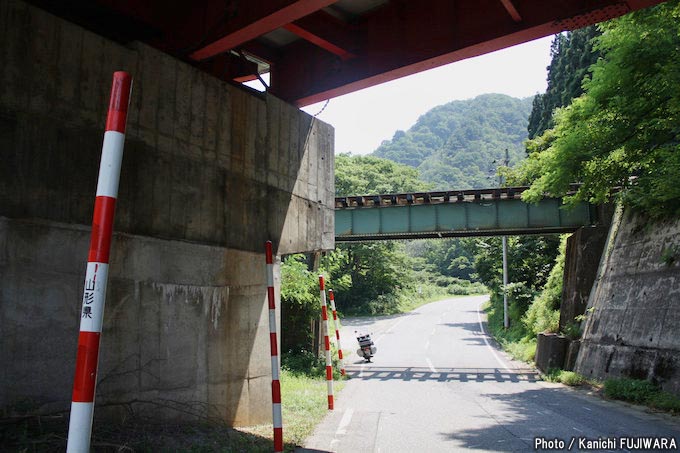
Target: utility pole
(506, 322)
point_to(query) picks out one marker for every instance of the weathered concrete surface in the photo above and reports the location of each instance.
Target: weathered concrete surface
(634, 309)
(210, 172)
(584, 250)
(173, 344)
(551, 350)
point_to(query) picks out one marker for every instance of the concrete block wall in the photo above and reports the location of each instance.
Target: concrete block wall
(584, 250)
(210, 172)
(633, 315)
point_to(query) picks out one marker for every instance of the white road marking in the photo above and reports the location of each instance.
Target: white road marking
(361, 371)
(427, 344)
(484, 335)
(429, 364)
(390, 329)
(344, 422)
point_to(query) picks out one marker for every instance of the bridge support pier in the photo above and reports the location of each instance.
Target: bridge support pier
(210, 173)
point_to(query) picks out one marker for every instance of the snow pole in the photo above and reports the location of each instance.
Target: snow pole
(327, 343)
(273, 341)
(336, 324)
(96, 277)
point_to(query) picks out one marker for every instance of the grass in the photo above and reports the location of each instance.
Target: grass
(513, 340)
(642, 392)
(636, 391)
(569, 378)
(49, 434)
(304, 403)
(413, 303)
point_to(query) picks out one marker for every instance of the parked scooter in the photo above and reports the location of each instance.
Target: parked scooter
(366, 346)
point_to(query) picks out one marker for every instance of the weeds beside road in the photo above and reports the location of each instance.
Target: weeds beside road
(304, 403)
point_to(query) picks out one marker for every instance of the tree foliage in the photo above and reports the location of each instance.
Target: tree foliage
(572, 54)
(377, 272)
(543, 315)
(366, 175)
(449, 257)
(623, 131)
(458, 145)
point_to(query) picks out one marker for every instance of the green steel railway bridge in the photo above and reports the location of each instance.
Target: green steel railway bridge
(456, 213)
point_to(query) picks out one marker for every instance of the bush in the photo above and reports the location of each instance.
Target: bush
(564, 377)
(665, 401)
(627, 389)
(524, 350)
(640, 391)
(305, 363)
(571, 378)
(543, 314)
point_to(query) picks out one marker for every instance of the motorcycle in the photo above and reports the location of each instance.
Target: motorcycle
(366, 346)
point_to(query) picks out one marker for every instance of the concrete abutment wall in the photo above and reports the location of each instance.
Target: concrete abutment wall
(210, 172)
(633, 315)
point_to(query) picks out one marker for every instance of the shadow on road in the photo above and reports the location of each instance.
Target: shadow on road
(554, 413)
(469, 326)
(443, 374)
(368, 320)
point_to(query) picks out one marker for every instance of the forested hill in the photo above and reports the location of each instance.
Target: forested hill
(454, 145)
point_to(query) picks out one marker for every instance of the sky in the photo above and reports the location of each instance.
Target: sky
(363, 119)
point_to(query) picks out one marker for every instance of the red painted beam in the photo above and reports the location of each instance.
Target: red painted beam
(510, 8)
(319, 41)
(327, 32)
(263, 21)
(428, 36)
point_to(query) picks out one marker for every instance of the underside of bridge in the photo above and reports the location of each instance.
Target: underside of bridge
(319, 49)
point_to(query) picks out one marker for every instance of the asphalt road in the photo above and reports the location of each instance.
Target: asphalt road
(437, 384)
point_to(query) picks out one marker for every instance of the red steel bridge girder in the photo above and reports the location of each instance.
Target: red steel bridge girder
(407, 38)
(326, 53)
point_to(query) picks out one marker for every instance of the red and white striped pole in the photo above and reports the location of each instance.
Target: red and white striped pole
(276, 384)
(94, 294)
(327, 344)
(336, 324)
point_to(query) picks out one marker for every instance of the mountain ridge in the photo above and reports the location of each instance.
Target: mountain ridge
(458, 145)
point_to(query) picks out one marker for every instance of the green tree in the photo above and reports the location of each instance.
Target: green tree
(449, 257)
(455, 145)
(530, 261)
(623, 132)
(572, 54)
(543, 314)
(299, 302)
(367, 175)
(376, 273)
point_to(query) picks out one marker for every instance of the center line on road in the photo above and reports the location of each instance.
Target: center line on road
(390, 329)
(429, 364)
(361, 372)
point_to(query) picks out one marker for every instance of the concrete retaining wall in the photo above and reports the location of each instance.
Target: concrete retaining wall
(634, 308)
(584, 250)
(210, 172)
